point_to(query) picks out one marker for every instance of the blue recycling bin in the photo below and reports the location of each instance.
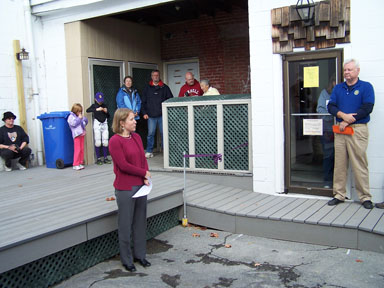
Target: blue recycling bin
(58, 141)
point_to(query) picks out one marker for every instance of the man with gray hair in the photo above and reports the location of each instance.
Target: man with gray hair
(351, 103)
(207, 88)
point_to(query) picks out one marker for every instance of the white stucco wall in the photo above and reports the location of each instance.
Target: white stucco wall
(267, 91)
(12, 27)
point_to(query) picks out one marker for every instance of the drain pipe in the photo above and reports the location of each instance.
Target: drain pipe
(35, 88)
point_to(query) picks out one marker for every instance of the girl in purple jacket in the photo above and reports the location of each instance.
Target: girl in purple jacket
(77, 123)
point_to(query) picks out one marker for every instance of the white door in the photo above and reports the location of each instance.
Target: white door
(176, 75)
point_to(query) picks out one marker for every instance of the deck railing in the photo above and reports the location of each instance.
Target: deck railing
(217, 125)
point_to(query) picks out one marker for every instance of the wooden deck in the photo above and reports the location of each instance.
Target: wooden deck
(44, 211)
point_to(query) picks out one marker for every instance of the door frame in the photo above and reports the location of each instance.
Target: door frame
(304, 56)
(132, 65)
(103, 62)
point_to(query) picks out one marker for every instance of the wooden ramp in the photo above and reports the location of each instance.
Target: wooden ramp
(347, 225)
(44, 211)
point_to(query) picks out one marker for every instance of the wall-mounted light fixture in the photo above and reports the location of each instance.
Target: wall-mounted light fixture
(22, 55)
(306, 11)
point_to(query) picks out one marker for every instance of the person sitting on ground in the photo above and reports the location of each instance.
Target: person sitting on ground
(191, 86)
(13, 143)
(100, 127)
(207, 88)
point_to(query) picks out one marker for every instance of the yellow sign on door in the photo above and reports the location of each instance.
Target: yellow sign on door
(311, 77)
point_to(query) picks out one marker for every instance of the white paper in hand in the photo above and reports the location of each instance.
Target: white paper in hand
(144, 191)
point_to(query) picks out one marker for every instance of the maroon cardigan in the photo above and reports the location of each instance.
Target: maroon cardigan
(129, 162)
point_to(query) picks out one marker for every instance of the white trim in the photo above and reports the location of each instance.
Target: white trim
(220, 135)
(191, 136)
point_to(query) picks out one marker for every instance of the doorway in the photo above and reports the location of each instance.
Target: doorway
(309, 150)
(106, 76)
(176, 74)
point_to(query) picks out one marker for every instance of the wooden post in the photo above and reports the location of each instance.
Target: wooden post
(20, 86)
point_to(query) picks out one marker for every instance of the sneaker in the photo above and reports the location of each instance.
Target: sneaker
(81, 166)
(77, 167)
(148, 155)
(334, 202)
(99, 162)
(7, 169)
(107, 161)
(21, 167)
(380, 205)
(367, 204)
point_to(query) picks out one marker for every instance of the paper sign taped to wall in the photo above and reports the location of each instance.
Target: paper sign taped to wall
(311, 77)
(313, 127)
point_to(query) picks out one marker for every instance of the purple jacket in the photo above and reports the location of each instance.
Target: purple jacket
(77, 124)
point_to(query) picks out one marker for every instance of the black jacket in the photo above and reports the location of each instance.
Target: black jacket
(98, 115)
(152, 98)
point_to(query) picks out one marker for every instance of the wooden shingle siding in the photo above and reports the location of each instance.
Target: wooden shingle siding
(331, 26)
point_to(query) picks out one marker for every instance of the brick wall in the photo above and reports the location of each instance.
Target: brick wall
(221, 43)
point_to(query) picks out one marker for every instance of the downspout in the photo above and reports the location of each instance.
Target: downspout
(35, 89)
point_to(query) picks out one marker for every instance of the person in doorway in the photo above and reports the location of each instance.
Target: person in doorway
(327, 138)
(351, 103)
(128, 97)
(191, 86)
(208, 89)
(155, 93)
(77, 123)
(100, 127)
(13, 143)
(131, 173)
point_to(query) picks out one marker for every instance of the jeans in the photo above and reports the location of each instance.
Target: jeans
(8, 155)
(152, 124)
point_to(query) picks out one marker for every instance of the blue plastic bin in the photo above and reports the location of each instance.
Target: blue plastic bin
(58, 141)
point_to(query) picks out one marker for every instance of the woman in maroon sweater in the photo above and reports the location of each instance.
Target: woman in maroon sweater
(131, 170)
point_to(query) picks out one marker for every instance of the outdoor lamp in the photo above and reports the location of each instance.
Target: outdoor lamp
(22, 55)
(306, 10)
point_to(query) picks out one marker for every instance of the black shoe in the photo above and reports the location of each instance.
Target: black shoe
(379, 205)
(130, 268)
(334, 202)
(142, 262)
(367, 204)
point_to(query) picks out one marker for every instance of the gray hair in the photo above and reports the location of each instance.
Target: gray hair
(205, 82)
(357, 64)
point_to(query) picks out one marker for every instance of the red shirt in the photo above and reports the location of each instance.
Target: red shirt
(129, 162)
(193, 90)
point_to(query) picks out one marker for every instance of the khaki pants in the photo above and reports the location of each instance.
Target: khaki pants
(352, 148)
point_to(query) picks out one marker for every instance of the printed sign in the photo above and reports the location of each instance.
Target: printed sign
(313, 127)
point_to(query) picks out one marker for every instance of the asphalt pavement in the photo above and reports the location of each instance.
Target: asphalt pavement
(198, 257)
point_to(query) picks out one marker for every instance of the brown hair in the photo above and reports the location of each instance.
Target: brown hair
(76, 108)
(121, 114)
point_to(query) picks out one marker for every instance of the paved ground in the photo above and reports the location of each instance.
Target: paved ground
(191, 257)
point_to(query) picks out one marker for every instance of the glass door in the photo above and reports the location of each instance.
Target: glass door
(309, 152)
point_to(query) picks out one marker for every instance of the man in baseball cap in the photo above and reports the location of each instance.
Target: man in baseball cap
(13, 143)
